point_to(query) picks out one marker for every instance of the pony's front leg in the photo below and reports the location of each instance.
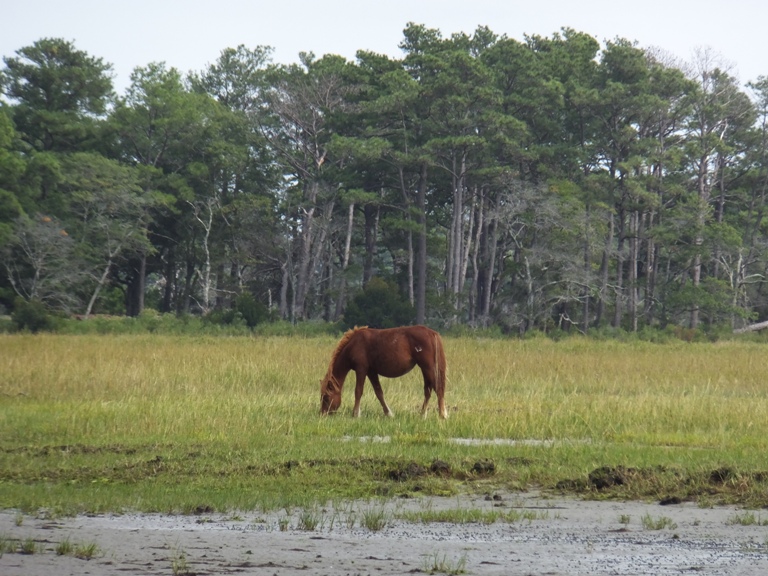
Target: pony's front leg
(359, 383)
(374, 378)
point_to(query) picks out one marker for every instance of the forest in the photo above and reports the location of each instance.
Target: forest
(547, 183)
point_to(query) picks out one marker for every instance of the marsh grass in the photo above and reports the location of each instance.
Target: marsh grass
(284, 523)
(660, 523)
(472, 516)
(65, 548)
(7, 545)
(29, 546)
(440, 564)
(625, 519)
(310, 519)
(180, 565)
(196, 424)
(85, 550)
(747, 518)
(375, 519)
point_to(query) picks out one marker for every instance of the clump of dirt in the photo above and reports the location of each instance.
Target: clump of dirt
(484, 467)
(722, 475)
(519, 461)
(407, 471)
(608, 476)
(440, 468)
(42, 451)
(670, 485)
(572, 485)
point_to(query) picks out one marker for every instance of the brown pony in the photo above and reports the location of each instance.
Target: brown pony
(392, 352)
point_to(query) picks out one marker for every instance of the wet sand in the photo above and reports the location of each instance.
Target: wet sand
(567, 536)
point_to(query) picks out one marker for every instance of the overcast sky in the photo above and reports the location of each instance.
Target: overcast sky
(190, 34)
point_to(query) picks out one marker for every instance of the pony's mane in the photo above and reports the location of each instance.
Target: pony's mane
(330, 380)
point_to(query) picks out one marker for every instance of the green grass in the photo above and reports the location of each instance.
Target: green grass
(97, 423)
(747, 518)
(660, 523)
(65, 548)
(440, 564)
(374, 519)
(471, 516)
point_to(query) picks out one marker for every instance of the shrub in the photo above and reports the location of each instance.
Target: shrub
(379, 305)
(251, 310)
(31, 315)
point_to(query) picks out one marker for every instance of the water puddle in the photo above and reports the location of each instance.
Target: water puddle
(464, 441)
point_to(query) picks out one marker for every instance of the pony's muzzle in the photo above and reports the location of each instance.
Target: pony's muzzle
(329, 404)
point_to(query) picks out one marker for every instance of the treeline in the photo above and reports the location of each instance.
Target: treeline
(478, 180)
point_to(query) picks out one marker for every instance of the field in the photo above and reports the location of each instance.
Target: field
(151, 423)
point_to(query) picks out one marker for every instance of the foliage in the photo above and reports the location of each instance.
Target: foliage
(251, 310)
(379, 305)
(32, 316)
(551, 184)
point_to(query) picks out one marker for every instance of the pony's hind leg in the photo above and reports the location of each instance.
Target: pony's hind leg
(441, 405)
(374, 378)
(431, 384)
(427, 395)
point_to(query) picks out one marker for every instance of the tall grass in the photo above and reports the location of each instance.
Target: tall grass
(175, 422)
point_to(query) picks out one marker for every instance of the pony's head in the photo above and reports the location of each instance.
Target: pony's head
(330, 395)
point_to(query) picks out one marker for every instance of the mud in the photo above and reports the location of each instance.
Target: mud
(562, 536)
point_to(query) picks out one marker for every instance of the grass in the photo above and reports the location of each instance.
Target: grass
(660, 523)
(624, 519)
(179, 564)
(439, 564)
(85, 551)
(310, 519)
(198, 424)
(747, 518)
(375, 519)
(65, 548)
(471, 516)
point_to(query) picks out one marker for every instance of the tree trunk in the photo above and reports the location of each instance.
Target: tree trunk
(340, 301)
(97, 290)
(586, 269)
(371, 213)
(285, 282)
(134, 294)
(421, 257)
(474, 293)
(407, 203)
(620, 296)
(634, 218)
(604, 271)
(492, 243)
(170, 288)
(751, 328)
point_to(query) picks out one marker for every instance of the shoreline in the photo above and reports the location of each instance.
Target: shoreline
(562, 535)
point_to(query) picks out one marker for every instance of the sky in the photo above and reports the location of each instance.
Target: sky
(189, 35)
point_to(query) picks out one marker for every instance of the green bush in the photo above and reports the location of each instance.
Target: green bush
(251, 310)
(31, 315)
(379, 305)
